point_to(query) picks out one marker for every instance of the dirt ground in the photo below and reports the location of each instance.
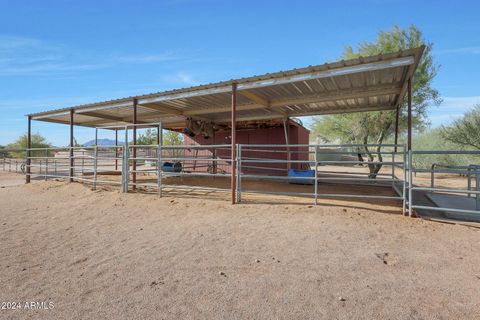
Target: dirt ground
(107, 255)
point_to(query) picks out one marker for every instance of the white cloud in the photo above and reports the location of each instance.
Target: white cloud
(181, 77)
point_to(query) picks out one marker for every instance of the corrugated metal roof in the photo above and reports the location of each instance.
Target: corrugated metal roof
(363, 84)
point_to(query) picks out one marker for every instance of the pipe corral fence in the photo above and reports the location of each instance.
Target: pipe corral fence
(308, 170)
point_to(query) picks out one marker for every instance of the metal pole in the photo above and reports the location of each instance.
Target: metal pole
(116, 149)
(125, 162)
(286, 127)
(29, 145)
(46, 164)
(134, 163)
(96, 136)
(234, 140)
(410, 183)
(404, 180)
(409, 119)
(316, 175)
(159, 158)
(396, 127)
(71, 145)
(95, 163)
(239, 173)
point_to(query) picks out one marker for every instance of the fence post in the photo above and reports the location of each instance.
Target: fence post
(316, 173)
(95, 163)
(239, 172)
(126, 163)
(469, 181)
(477, 182)
(159, 169)
(410, 183)
(404, 209)
(46, 164)
(393, 165)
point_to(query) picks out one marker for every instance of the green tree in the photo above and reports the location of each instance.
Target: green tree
(150, 138)
(465, 132)
(375, 127)
(37, 141)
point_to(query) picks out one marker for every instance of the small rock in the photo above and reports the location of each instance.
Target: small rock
(310, 206)
(222, 273)
(257, 261)
(341, 299)
(344, 210)
(24, 269)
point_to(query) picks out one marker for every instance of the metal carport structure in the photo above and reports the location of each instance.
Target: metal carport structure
(370, 83)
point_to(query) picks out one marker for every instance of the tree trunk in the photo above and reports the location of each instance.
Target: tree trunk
(375, 168)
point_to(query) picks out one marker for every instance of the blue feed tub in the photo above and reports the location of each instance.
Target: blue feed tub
(296, 176)
(172, 167)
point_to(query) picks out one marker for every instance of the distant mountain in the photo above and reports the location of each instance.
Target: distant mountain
(102, 142)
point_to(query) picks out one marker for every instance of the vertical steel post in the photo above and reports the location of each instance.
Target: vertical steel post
(409, 147)
(95, 167)
(404, 180)
(397, 115)
(134, 163)
(410, 183)
(409, 119)
(29, 146)
(159, 158)
(286, 129)
(71, 146)
(239, 173)
(234, 140)
(96, 136)
(46, 163)
(315, 188)
(125, 162)
(116, 149)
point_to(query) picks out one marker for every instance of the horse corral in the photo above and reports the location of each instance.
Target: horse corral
(241, 141)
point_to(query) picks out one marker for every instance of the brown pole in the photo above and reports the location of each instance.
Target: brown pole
(29, 145)
(396, 127)
(234, 141)
(134, 164)
(116, 149)
(409, 143)
(71, 145)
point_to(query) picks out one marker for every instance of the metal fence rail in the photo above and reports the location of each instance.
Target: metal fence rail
(273, 162)
(460, 194)
(156, 165)
(188, 167)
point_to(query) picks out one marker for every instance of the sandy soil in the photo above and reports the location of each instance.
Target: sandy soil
(106, 255)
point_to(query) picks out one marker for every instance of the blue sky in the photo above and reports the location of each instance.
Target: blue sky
(60, 53)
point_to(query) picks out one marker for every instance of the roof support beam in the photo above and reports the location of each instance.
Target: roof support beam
(260, 101)
(162, 108)
(316, 112)
(101, 116)
(317, 98)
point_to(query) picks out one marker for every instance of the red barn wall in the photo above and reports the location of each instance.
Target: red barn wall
(276, 135)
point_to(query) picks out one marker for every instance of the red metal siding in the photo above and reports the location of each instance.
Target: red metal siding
(298, 135)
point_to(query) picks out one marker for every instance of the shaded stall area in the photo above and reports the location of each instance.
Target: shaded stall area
(241, 138)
